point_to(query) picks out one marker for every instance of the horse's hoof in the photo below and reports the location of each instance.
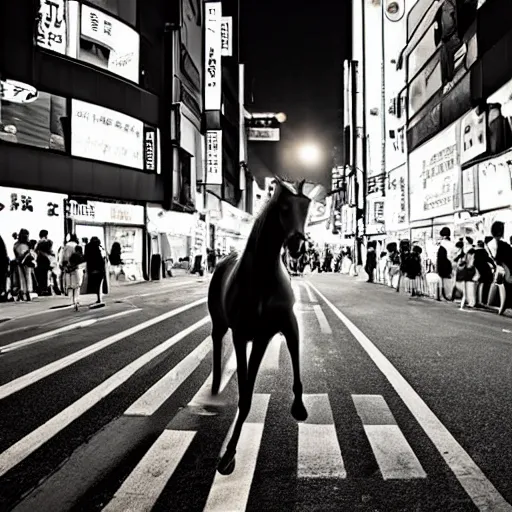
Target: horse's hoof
(299, 412)
(226, 465)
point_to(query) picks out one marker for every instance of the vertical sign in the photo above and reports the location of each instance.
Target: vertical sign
(214, 157)
(149, 149)
(226, 34)
(51, 25)
(212, 56)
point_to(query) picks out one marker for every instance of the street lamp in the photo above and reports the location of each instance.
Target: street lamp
(309, 154)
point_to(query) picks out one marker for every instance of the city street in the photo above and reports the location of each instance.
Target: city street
(110, 409)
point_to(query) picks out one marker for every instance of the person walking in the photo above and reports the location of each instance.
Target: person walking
(24, 263)
(71, 259)
(96, 265)
(371, 262)
(485, 268)
(4, 271)
(444, 263)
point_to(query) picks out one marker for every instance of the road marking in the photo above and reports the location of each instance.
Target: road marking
(296, 292)
(160, 292)
(30, 378)
(142, 488)
(311, 296)
(31, 442)
(322, 320)
(71, 327)
(231, 492)
(319, 454)
(481, 491)
(271, 359)
(393, 453)
(159, 393)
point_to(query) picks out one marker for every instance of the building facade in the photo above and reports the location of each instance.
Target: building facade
(103, 129)
(446, 122)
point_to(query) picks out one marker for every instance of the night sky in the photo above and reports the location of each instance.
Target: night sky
(294, 51)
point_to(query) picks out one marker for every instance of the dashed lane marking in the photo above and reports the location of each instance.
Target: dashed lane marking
(231, 492)
(310, 293)
(50, 334)
(31, 378)
(481, 491)
(393, 453)
(322, 320)
(319, 454)
(31, 442)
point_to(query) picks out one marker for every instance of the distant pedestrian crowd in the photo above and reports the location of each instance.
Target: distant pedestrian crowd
(479, 272)
(38, 268)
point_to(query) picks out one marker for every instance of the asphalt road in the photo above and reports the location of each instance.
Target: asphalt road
(408, 399)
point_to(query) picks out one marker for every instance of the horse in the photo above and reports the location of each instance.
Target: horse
(251, 294)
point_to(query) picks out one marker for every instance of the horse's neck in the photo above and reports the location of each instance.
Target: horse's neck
(263, 252)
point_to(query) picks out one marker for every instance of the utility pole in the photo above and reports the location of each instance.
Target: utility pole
(364, 142)
(355, 169)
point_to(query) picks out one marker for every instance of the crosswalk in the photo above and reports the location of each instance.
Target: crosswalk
(319, 440)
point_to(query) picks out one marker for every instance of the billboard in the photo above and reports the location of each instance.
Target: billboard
(31, 117)
(214, 157)
(212, 56)
(226, 36)
(89, 35)
(263, 134)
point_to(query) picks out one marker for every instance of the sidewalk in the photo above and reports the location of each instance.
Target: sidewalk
(118, 290)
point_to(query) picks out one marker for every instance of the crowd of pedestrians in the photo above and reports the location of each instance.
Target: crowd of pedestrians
(38, 268)
(477, 271)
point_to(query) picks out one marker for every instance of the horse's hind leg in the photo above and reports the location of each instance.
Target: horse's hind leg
(227, 463)
(291, 333)
(219, 330)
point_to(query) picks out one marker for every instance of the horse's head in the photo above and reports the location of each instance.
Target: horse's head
(293, 208)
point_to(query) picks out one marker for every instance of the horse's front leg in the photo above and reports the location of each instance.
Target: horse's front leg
(226, 464)
(290, 330)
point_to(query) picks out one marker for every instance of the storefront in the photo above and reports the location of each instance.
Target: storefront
(112, 222)
(232, 229)
(171, 233)
(32, 210)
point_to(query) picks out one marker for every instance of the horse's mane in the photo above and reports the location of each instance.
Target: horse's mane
(257, 228)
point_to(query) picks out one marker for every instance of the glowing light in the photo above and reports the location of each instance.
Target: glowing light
(281, 117)
(309, 154)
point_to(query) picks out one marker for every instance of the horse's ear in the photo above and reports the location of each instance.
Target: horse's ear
(300, 186)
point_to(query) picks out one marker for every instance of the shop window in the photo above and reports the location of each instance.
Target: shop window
(123, 9)
(32, 117)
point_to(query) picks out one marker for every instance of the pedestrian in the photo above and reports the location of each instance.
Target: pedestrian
(404, 251)
(485, 268)
(24, 262)
(96, 268)
(371, 262)
(4, 271)
(393, 263)
(115, 259)
(444, 264)
(470, 275)
(43, 263)
(72, 259)
(413, 269)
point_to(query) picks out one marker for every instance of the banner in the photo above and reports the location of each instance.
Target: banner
(31, 117)
(214, 157)
(90, 36)
(473, 135)
(395, 208)
(226, 35)
(51, 26)
(212, 56)
(105, 213)
(434, 176)
(102, 134)
(110, 44)
(494, 178)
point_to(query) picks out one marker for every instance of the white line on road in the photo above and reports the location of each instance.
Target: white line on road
(393, 453)
(31, 442)
(142, 488)
(311, 296)
(322, 320)
(481, 491)
(159, 393)
(296, 292)
(271, 359)
(50, 334)
(231, 492)
(319, 454)
(167, 289)
(30, 378)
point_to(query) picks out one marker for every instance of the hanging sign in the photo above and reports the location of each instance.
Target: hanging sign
(214, 157)
(212, 56)
(17, 92)
(473, 134)
(51, 25)
(226, 35)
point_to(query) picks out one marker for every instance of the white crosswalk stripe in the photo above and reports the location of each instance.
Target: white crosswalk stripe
(319, 454)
